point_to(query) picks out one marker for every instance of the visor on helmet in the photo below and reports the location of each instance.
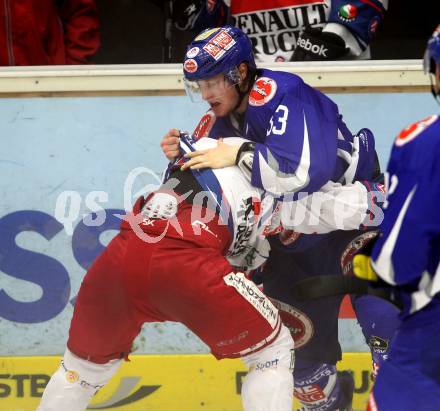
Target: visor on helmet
(216, 86)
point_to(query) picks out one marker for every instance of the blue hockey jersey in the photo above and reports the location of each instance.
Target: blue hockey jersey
(407, 254)
(302, 142)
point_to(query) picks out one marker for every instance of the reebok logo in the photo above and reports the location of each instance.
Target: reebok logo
(314, 48)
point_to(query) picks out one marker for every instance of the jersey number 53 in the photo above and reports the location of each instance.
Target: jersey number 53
(278, 122)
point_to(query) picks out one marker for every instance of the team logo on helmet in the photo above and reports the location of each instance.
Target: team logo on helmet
(205, 34)
(193, 52)
(263, 91)
(190, 66)
(347, 13)
(298, 323)
(219, 44)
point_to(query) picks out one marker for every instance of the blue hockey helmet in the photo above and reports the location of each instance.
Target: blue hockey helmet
(432, 53)
(215, 51)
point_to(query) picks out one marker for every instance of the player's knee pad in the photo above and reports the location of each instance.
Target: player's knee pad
(75, 382)
(269, 384)
(321, 387)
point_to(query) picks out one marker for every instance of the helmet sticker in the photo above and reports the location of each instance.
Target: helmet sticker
(205, 34)
(262, 92)
(190, 66)
(193, 52)
(219, 44)
(348, 13)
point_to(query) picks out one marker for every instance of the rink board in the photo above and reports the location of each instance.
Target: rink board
(157, 383)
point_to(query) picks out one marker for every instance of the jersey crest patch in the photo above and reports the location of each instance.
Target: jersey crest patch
(204, 126)
(298, 323)
(263, 91)
(412, 131)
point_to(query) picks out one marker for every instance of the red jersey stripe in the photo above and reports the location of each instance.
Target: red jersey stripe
(246, 6)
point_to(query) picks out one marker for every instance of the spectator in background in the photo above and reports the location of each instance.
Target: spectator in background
(46, 32)
(291, 29)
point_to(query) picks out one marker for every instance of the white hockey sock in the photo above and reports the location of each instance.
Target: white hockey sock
(75, 382)
(269, 384)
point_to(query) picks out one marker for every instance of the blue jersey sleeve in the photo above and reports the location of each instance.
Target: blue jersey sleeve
(411, 226)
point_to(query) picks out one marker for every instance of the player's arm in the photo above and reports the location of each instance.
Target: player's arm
(351, 26)
(410, 219)
(80, 22)
(198, 15)
(335, 207)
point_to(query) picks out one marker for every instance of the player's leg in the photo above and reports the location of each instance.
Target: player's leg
(102, 330)
(410, 379)
(231, 315)
(314, 324)
(75, 382)
(269, 384)
(379, 320)
(320, 386)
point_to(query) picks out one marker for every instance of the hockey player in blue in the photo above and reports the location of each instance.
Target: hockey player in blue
(407, 257)
(299, 144)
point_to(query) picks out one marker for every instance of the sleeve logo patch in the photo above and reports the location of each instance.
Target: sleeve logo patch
(219, 44)
(412, 131)
(190, 66)
(204, 126)
(262, 92)
(347, 13)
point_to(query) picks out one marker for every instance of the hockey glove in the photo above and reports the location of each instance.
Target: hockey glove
(362, 268)
(185, 13)
(314, 44)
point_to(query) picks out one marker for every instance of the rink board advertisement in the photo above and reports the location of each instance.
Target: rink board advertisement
(157, 383)
(71, 167)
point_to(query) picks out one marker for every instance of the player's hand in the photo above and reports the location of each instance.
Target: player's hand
(315, 44)
(170, 144)
(362, 268)
(223, 155)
